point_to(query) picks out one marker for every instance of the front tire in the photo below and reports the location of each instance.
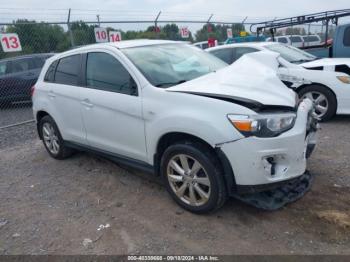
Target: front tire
(323, 98)
(193, 177)
(52, 139)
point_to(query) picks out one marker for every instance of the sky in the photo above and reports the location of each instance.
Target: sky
(223, 10)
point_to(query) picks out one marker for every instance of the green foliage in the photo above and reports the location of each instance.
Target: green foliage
(39, 37)
(219, 32)
(295, 31)
(83, 34)
(44, 38)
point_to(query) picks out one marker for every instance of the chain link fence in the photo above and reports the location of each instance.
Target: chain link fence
(20, 67)
(27, 44)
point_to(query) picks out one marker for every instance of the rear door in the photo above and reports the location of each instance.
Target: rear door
(62, 84)
(112, 107)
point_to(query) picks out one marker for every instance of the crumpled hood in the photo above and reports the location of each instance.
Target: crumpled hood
(252, 77)
(327, 62)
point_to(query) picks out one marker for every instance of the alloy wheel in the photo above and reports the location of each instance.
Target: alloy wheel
(50, 138)
(189, 180)
(320, 101)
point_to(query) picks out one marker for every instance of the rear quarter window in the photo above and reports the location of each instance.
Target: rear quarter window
(50, 73)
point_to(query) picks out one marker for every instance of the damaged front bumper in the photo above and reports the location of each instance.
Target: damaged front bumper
(259, 164)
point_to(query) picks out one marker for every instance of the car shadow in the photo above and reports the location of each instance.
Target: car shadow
(338, 119)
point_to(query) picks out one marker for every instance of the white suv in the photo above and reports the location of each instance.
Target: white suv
(172, 109)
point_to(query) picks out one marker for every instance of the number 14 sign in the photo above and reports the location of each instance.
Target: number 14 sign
(115, 36)
(10, 42)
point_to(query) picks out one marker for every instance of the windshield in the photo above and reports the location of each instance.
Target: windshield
(291, 54)
(171, 64)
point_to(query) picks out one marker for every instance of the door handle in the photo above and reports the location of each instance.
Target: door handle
(51, 94)
(87, 103)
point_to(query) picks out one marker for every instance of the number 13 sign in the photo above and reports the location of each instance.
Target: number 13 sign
(10, 42)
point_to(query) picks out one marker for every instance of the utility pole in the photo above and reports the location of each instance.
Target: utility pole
(156, 24)
(98, 20)
(69, 30)
(210, 17)
(243, 22)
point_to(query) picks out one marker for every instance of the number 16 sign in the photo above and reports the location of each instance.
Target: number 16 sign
(10, 42)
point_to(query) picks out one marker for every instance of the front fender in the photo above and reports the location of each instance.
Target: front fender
(213, 132)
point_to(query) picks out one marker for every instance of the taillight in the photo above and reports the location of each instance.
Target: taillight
(32, 90)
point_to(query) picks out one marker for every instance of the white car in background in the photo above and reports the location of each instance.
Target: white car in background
(293, 40)
(208, 129)
(325, 81)
(202, 45)
(312, 40)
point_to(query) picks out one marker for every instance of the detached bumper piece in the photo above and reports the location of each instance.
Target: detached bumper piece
(277, 198)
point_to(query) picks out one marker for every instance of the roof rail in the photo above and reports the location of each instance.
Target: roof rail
(326, 17)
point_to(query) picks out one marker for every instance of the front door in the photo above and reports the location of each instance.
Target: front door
(112, 107)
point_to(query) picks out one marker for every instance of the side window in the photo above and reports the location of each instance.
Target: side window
(20, 65)
(50, 73)
(240, 51)
(282, 40)
(296, 39)
(347, 36)
(67, 71)
(105, 72)
(205, 46)
(3, 67)
(38, 62)
(224, 54)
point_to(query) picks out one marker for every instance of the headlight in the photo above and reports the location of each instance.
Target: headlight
(293, 79)
(269, 125)
(344, 79)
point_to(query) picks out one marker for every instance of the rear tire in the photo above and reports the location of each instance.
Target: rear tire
(197, 183)
(324, 99)
(53, 140)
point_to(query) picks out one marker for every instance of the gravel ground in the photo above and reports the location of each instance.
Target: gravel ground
(88, 205)
(16, 113)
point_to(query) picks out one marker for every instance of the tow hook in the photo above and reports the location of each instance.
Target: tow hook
(271, 161)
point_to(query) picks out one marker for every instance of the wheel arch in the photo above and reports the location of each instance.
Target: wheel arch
(39, 115)
(173, 137)
(300, 88)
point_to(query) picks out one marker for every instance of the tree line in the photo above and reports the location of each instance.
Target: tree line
(45, 38)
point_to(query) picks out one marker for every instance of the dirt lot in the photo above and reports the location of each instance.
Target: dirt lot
(57, 207)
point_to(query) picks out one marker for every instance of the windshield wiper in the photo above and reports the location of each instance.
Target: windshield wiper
(302, 61)
(171, 83)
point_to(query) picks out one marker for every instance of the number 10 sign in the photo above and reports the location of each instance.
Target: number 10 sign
(10, 42)
(101, 35)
